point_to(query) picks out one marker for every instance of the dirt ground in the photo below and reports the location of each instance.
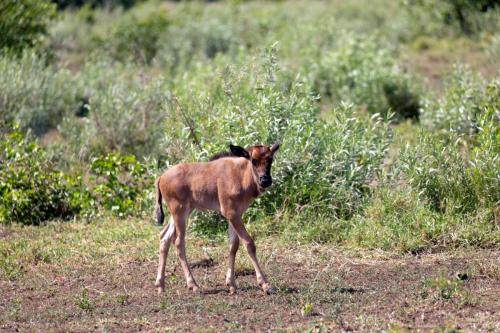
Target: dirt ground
(318, 288)
(434, 64)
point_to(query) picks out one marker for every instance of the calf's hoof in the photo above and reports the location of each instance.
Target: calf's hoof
(160, 286)
(268, 289)
(194, 288)
(232, 285)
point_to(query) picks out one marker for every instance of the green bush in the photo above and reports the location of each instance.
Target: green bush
(396, 218)
(466, 12)
(31, 189)
(359, 71)
(457, 111)
(439, 171)
(198, 33)
(484, 170)
(323, 167)
(124, 112)
(458, 175)
(106, 106)
(462, 16)
(120, 184)
(135, 34)
(24, 24)
(33, 94)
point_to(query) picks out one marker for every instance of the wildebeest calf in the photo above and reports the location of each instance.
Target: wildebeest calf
(228, 184)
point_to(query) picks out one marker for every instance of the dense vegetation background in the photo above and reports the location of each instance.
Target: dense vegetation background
(379, 150)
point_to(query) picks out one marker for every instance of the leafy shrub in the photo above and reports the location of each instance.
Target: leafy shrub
(458, 109)
(463, 16)
(34, 191)
(401, 99)
(456, 175)
(190, 38)
(120, 183)
(125, 112)
(465, 12)
(440, 202)
(33, 94)
(439, 171)
(23, 24)
(31, 189)
(100, 109)
(321, 167)
(485, 151)
(443, 191)
(359, 71)
(135, 34)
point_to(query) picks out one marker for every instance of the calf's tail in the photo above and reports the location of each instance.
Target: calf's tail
(160, 216)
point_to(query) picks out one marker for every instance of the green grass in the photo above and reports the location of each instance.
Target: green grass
(63, 243)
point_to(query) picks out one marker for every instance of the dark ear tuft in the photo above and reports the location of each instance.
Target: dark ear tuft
(275, 146)
(239, 151)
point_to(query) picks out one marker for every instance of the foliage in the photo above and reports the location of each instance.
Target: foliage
(440, 172)
(33, 94)
(321, 166)
(396, 218)
(84, 302)
(464, 16)
(483, 170)
(24, 24)
(448, 172)
(358, 70)
(97, 110)
(34, 191)
(31, 189)
(462, 103)
(125, 112)
(120, 183)
(135, 34)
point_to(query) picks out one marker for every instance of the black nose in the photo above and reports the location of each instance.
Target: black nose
(266, 181)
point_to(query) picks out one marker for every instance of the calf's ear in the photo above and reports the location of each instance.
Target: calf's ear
(239, 151)
(275, 146)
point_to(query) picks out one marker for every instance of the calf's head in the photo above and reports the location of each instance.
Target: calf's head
(261, 158)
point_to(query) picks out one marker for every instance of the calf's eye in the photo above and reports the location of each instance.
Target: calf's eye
(254, 162)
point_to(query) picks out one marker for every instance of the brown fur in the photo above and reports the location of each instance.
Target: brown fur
(225, 184)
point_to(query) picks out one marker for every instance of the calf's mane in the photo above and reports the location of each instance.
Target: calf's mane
(229, 153)
(221, 155)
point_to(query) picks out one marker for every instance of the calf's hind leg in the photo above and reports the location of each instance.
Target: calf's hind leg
(180, 245)
(167, 235)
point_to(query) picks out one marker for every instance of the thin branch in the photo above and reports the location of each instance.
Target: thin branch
(188, 121)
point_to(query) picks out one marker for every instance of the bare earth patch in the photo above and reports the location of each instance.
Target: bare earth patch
(436, 61)
(317, 287)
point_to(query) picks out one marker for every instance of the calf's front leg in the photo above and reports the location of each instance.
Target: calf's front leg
(239, 227)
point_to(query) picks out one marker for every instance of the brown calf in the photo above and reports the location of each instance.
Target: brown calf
(228, 183)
